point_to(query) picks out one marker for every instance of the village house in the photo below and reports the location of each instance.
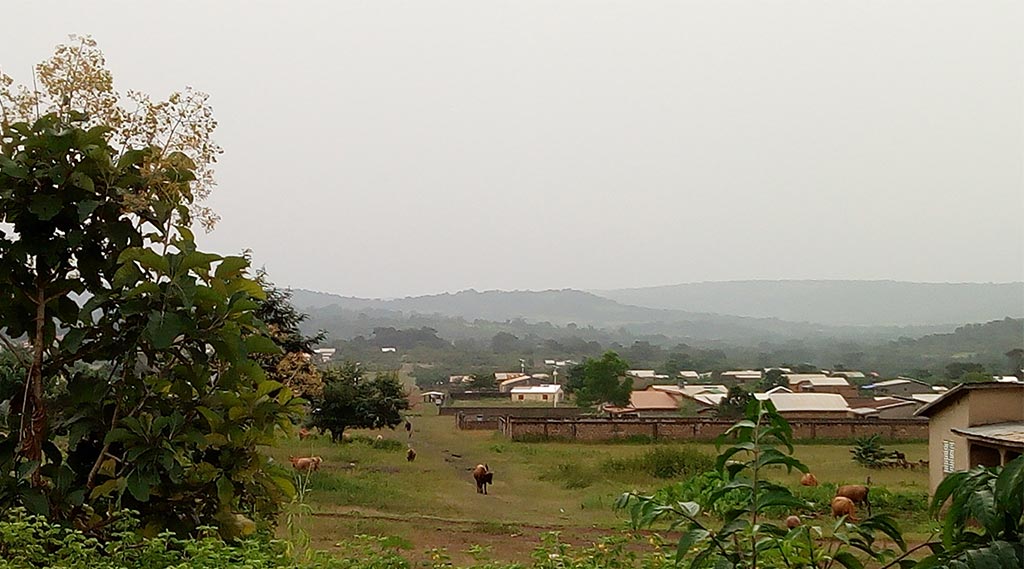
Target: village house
(740, 376)
(974, 424)
(808, 405)
(522, 380)
(649, 403)
(325, 354)
(689, 375)
(800, 383)
(900, 387)
(883, 407)
(703, 395)
(435, 397)
(848, 374)
(538, 393)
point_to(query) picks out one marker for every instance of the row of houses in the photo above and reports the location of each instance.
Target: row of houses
(805, 396)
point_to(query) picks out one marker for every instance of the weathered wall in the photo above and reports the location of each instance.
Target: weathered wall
(511, 411)
(519, 428)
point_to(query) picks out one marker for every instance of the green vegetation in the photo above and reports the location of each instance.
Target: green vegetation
(601, 380)
(352, 400)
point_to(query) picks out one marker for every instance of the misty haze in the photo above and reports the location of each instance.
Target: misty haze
(482, 284)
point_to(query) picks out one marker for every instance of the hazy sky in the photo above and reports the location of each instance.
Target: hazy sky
(380, 148)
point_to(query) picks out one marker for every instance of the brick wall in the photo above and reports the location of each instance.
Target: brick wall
(508, 411)
(519, 428)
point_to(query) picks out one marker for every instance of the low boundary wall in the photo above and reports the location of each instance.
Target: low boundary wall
(579, 429)
(524, 411)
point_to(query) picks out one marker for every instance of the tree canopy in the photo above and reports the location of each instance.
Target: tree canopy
(352, 400)
(601, 380)
(166, 417)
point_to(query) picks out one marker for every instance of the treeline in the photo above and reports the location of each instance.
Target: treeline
(980, 348)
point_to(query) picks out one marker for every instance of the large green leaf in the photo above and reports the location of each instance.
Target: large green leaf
(46, 207)
(163, 328)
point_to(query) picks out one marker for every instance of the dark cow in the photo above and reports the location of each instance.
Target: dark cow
(483, 476)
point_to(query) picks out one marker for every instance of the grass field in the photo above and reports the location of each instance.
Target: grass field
(538, 487)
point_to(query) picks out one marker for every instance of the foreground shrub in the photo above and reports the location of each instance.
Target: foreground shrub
(663, 462)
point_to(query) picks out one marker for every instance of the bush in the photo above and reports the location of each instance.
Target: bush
(571, 475)
(383, 444)
(663, 462)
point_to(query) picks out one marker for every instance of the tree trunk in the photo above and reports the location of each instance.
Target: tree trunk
(33, 435)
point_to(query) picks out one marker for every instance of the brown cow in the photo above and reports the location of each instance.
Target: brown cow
(410, 455)
(483, 476)
(857, 493)
(304, 433)
(843, 506)
(305, 464)
(808, 480)
(792, 521)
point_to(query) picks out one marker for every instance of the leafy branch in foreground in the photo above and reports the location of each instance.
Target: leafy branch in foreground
(748, 535)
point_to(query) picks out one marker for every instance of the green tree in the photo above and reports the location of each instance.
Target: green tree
(1016, 360)
(735, 403)
(351, 400)
(171, 424)
(484, 380)
(293, 365)
(773, 378)
(601, 380)
(957, 370)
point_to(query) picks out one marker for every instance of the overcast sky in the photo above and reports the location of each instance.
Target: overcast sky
(380, 148)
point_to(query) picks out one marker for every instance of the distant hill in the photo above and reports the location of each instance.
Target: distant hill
(857, 303)
(563, 307)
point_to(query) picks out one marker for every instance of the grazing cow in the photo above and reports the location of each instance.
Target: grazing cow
(346, 438)
(792, 521)
(857, 493)
(843, 506)
(808, 480)
(408, 428)
(305, 464)
(304, 433)
(379, 438)
(410, 455)
(483, 476)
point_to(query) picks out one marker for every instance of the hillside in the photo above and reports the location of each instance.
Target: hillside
(346, 316)
(856, 303)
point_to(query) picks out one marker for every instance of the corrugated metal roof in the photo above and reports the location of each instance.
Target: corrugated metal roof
(652, 400)
(538, 389)
(1005, 433)
(805, 401)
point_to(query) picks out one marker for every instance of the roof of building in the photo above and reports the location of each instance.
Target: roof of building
(1011, 434)
(848, 373)
(704, 394)
(431, 393)
(546, 388)
(790, 402)
(640, 373)
(515, 379)
(925, 397)
(779, 389)
(822, 381)
(503, 375)
(959, 391)
(652, 400)
(795, 378)
(689, 374)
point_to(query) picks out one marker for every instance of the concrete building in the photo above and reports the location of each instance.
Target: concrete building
(538, 393)
(974, 424)
(325, 354)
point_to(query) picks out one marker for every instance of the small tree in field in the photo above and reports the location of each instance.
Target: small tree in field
(350, 400)
(735, 403)
(601, 380)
